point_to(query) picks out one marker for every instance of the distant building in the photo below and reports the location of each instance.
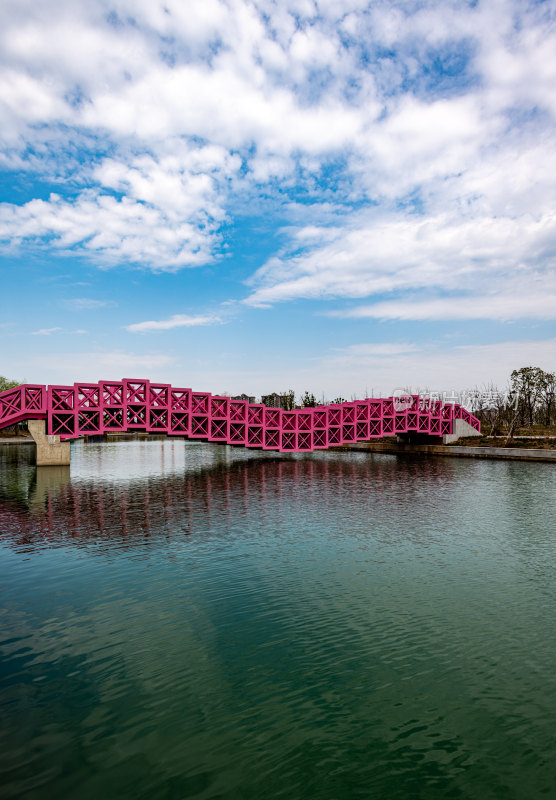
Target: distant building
(244, 397)
(275, 400)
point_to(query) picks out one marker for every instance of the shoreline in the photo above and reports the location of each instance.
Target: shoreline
(382, 448)
(495, 453)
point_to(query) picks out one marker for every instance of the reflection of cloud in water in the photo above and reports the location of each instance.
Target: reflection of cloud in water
(128, 461)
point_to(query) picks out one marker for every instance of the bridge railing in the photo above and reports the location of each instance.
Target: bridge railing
(137, 404)
(22, 402)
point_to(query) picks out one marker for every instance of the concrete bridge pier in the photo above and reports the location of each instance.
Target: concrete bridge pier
(50, 450)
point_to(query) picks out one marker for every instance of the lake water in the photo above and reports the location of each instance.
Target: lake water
(184, 620)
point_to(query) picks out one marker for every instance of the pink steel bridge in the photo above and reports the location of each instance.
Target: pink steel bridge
(88, 409)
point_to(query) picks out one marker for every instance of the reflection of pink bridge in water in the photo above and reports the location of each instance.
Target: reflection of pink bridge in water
(88, 409)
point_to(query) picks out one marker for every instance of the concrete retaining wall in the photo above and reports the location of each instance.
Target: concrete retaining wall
(512, 453)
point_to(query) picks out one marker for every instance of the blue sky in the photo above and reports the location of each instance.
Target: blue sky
(340, 196)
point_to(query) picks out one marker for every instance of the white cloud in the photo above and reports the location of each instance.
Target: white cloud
(225, 107)
(361, 369)
(524, 304)
(50, 331)
(366, 368)
(202, 107)
(176, 321)
(95, 365)
(85, 303)
(385, 349)
(160, 210)
(355, 370)
(122, 362)
(45, 331)
(377, 254)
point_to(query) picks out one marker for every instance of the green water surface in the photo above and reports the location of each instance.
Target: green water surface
(185, 620)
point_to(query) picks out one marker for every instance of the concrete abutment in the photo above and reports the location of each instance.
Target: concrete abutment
(50, 450)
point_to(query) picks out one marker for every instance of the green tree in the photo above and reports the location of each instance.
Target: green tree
(6, 383)
(548, 397)
(288, 402)
(529, 384)
(339, 400)
(308, 400)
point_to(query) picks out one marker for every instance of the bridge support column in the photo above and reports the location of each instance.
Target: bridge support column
(50, 450)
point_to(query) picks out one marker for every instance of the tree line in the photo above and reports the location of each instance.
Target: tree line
(306, 400)
(529, 399)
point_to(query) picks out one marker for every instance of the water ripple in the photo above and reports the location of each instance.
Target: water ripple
(187, 620)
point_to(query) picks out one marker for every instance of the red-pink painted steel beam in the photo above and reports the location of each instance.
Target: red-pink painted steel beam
(136, 404)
